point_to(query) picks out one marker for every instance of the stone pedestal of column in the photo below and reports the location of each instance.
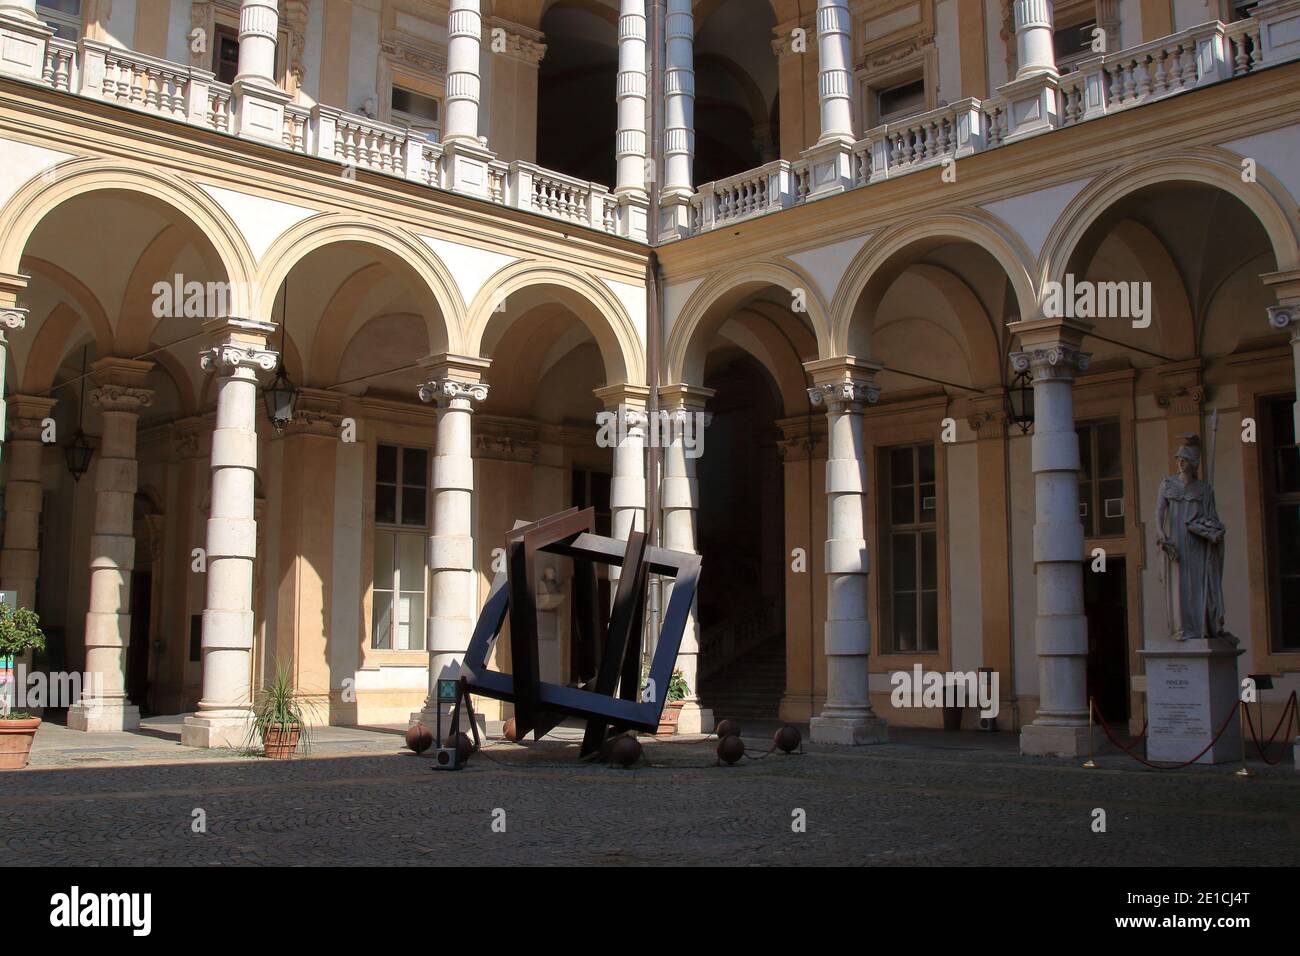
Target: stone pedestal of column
(23, 36)
(1191, 689)
(259, 102)
(1033, 97)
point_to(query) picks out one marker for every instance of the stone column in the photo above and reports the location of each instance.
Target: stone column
(683, 406)
(679, 120)
(834, 58)
(259, 101)
(259, 20)
(1285, 317)
(844, 386)
(119, 394)
(1034, 51)
(23, 36)
(630, 148)
(465, 156)
(464, 36)
(237, 352)
(1052, 352)
(831, 158)
(454, 384)
(20, 561)
(1033, 101)
(12, 319)
(626, 428)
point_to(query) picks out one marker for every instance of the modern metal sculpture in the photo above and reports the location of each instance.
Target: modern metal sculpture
(608, 692)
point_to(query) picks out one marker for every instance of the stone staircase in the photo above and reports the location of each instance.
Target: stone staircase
(751, 687)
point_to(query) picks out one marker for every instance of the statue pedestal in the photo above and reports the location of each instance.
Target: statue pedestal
(1191, 688)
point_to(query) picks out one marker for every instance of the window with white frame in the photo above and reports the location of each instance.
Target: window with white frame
(62, 16)
(416, 111)
(909, 509)
(399, 605)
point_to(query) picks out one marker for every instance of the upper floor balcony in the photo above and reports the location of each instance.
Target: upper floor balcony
(444, 114)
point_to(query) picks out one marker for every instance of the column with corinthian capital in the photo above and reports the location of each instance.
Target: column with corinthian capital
(844, 386)
(236, 354)
(453, 383)
(1051, 350)
(119, 393)
(684, 405)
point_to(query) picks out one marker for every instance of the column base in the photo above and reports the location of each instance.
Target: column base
(259, 109)
(1033, 105)
(465, 168)
(22, 46)
(217, 732)
(429, 717)
(830, 168)
(98, 717)
(694, 719)
(848, 731)
(1052, 740)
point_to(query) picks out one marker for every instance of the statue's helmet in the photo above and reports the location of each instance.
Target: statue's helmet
(1190, 449)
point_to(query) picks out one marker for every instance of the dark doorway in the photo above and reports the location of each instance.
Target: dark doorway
(577, 112)
(1105, 601)
(742, 540)
(137, 658)
(590, 489)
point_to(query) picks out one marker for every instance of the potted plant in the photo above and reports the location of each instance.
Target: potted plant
(20, 632)
(280, 719)
(678, 691)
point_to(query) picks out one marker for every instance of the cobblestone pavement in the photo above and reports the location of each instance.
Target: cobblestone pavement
(902, 803)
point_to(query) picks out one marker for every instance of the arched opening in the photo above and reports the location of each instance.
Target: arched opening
(1174, 268)
(742, 540)
(537, 453)
(760, 495)
(577, 114)
(943, 473)
(120, 280)
(736, 90)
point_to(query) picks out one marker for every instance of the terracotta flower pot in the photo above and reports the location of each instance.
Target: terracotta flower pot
(281, 740)
(16, 742)
(668, 719)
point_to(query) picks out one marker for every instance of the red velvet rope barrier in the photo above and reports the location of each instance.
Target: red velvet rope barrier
(1092, 704)
(1288, 712)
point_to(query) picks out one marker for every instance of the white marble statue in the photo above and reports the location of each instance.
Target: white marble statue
(1190, 536)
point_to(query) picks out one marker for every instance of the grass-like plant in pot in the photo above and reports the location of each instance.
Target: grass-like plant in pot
(280, 719)
(20, 632)
(678, 691)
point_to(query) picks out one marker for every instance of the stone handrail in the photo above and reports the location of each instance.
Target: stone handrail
(144, 82)
(59, 71)
(553, 194)
(927, 139)
(751, 193)
(297, 128)
(1208, 53)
